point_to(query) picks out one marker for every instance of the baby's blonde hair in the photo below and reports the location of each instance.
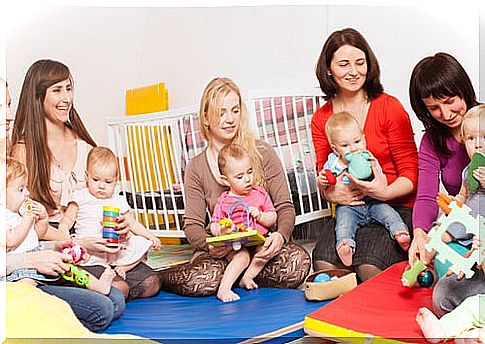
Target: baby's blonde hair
(337, 121)
(15, 169)
(101, 156)
(234, 151)
(475, 112)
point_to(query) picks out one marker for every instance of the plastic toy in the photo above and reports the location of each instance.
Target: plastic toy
(110, 214)
(76, 275)
(359, 165)
(478, 159)
(410, 276)
(472, 224)
(321, 277)
(444, 202)
(26, 207)
(425, 278)
(77, 252)
(237, 240)
(331, 178)
(243, 234)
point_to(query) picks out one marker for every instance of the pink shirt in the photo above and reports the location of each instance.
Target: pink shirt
(234, 207)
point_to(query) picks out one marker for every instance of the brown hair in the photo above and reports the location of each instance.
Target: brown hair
(209, 114)
(339, 120)
(234, 151)
(15, 169)
(30, 128)
(439, 76)
(337, 39)
(101, 156)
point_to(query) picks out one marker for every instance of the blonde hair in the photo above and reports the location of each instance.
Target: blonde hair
(101, 156)
(475, 112)
(234, 151)
(209, 115)
(337, 121)
(15, 169)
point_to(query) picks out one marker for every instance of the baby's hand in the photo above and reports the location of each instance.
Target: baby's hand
(39, 210)
(255, 212)
(156, 244)
(479, 175)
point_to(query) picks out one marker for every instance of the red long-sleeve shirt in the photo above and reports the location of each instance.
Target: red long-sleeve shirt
(389, 137)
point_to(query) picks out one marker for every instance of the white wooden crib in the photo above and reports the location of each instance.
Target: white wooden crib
(154, 149)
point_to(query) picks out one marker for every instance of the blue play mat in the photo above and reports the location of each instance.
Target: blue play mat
(270, 313)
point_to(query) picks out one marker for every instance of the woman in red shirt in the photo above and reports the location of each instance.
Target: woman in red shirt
(349, 77)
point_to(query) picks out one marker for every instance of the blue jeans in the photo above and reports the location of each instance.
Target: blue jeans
(94, 310)
(349, 218)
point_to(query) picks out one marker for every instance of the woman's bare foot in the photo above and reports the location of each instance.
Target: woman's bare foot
(227, 295)
(248, 283)
(344, 251)
(430, 325)
(121, 271)
(403, 239)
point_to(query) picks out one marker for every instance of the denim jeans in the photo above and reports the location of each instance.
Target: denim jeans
(94, 310)
(349, 218)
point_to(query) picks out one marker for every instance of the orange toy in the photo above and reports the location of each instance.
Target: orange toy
(444, 202)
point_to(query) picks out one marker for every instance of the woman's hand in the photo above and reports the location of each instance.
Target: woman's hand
(219, 252)
(48, 262)
(123, 226)
(97, 245)
(344, 194)
(376, 188)
(271, 247)
(417, 251)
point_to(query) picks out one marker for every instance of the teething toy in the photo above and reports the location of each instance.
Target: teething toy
(359, 165)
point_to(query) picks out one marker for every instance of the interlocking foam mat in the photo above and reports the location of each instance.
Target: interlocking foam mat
(380, 310)
(269, 314)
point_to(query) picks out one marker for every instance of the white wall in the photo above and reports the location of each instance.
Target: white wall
(265, 47)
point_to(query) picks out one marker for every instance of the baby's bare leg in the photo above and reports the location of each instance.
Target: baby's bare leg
(255, 267)
(239, 260)
(430, 325)
(103, 284)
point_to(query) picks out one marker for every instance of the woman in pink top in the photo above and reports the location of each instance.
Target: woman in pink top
(50, 138)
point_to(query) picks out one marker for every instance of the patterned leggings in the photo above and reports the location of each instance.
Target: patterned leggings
(202, 276)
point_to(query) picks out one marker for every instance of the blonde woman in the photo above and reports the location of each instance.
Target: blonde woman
(223, 120)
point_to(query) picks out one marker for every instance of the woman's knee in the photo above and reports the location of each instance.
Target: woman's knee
(200, 278)
(150, 286)
(99, 315)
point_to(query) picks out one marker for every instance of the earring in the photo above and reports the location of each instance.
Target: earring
(329, 73)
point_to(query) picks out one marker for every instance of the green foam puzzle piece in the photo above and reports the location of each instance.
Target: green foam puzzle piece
(474, 225)
(478, 159)
(410, 277)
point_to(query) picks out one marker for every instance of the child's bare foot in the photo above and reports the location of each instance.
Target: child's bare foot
(430, 325)
(227, 295)
(344, 251)
(103, 284)
(403, 239)
(248, 283)
(473, 336)
(121, 271)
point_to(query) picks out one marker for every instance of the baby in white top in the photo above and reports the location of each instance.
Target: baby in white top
(85, 212)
